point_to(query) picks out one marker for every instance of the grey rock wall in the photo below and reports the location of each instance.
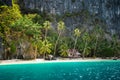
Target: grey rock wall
(107, 10)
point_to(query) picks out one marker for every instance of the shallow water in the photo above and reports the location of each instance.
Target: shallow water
(100, 70)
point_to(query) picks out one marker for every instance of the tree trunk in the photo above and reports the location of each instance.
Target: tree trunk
(95, 47)
(75, 44)
(56, 44)
(44, 55)
(35, 52)
(46, 33)
(5, 56)
(84, 50)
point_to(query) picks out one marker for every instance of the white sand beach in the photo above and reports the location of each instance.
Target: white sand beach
(17, 61)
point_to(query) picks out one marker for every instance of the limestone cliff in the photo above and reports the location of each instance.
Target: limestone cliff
(106, 10)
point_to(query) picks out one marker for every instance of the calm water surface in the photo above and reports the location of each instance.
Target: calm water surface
(102, 70)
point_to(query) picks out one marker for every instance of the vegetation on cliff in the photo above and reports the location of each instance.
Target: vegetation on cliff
(29, 36)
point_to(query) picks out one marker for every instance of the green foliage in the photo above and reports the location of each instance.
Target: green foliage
(27, 27)
(32, 28)
(31, 16)
(14, 1)
(8, 15)
(52, 37)
(63, 50)
(24, 29)
(77, 32)
(67, 14)
(45, 47)
(107, 52)
(36, 18)
(115, 45)
(46, 25)
(61, 26)
(86, 39)
(13, 48)
(46, 17)
(87, 51)
(96, 37)
(80, 44)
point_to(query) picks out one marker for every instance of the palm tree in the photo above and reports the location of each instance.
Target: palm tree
(76, 34)
(45, 48)
(60, 28)
(36, 44)
(115, 44)
(63, 50)
(86, 40)
(98, 32)
(46, 26)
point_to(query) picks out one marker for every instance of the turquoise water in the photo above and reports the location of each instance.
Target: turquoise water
(104, 70)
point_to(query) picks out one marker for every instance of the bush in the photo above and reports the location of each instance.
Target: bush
(107, 52)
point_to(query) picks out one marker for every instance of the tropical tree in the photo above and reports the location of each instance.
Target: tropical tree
(45, 48)
(86, 39)
(96, 35)
(46, 26)
(24, 29)
(36, 43)
(76, 34)
(60, 28)
(46, 45)
(115, 45)
(8, 15)
(63, 50)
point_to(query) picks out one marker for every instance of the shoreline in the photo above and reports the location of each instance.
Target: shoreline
(36, 61)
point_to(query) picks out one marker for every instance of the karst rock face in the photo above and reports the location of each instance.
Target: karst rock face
(107, 10)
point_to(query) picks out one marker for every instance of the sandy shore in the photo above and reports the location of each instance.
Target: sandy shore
(17, 61)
